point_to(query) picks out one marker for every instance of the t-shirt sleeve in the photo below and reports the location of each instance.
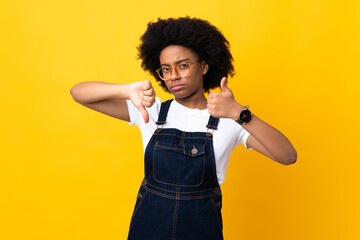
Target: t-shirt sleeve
(242, 138)
(134, 113)
(130, 107)
(136, 117)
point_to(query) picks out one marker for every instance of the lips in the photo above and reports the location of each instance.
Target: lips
(176, 87)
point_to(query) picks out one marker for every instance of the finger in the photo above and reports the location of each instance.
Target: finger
(146, 85)
(213, 95)
(149, 92)
(148, 98)
(223, 85)
(144, 113)
(147, 103)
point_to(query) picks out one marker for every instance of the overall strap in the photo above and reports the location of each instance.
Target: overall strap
(213, 123)
(163, 112)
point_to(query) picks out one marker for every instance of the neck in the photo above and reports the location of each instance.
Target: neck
(195, 102)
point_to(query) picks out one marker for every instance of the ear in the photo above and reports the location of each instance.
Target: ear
(205, 67)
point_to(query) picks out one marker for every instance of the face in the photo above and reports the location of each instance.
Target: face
(192, 83)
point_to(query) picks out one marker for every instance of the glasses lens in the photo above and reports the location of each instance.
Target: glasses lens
(161, 75)
(181, 70)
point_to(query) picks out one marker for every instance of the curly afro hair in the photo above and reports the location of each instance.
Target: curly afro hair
(198, 35)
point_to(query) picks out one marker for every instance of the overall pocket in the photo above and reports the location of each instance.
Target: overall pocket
(180, 165)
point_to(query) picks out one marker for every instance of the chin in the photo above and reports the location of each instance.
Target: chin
(179, 94)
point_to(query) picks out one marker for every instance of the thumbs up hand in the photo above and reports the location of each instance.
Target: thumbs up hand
(223, 105)
(142, 95)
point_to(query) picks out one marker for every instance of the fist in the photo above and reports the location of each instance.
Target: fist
(223, 105)
(142, 95)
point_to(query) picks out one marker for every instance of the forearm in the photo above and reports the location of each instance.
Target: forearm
(90, 92)
(270, 138)
(263, 137)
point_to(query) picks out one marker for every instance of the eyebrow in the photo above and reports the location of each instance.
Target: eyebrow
(182, 60)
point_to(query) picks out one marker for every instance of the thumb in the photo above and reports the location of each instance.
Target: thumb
(223, 85)
(144, 113)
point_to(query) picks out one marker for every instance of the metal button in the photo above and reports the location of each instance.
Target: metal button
(194, 151)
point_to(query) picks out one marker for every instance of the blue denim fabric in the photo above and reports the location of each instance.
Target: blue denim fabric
(179, 198)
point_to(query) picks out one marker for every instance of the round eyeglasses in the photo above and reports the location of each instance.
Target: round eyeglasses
(181, 70)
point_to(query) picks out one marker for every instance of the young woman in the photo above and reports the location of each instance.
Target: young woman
(187, 141)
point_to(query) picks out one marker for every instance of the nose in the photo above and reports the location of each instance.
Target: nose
(174, 74)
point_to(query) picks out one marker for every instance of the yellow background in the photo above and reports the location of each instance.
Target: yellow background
(67, 172)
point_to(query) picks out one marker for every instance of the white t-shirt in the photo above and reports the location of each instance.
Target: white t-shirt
(228, 135)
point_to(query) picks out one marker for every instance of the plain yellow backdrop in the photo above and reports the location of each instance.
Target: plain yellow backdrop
(68, 172)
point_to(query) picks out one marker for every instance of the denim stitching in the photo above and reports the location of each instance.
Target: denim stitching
(206, 190)
(159, 146)
(214, 127)
(180, 198)
(181, 185)
(169, 134)
(164, 110)
(175, 219)
(216, 212)
(182, 139)
(213, 123)
(183, 150)
(174, 184)
(138, 206)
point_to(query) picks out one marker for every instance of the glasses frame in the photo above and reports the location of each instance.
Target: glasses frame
(176, 71)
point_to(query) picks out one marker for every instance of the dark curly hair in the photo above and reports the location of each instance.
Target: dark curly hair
(198, 35)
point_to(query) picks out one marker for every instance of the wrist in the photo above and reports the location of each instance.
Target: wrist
(130, 90)
(126, 90)
(244, 116)
(236, 111)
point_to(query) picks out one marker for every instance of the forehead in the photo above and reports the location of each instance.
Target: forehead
(174, 53)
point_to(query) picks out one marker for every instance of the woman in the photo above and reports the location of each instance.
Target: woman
(187, 141)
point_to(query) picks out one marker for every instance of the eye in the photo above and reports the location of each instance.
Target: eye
(183, 66)
(165, 69)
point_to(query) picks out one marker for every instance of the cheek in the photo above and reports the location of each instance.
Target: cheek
(200, 72)
(199, 76)
(167, 84)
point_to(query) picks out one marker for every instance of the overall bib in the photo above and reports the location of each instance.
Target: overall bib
(180, 197)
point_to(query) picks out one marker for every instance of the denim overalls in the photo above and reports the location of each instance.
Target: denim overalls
(180, 197)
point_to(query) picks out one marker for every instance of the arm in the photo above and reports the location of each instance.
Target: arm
(263, 138)
(110, 99)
